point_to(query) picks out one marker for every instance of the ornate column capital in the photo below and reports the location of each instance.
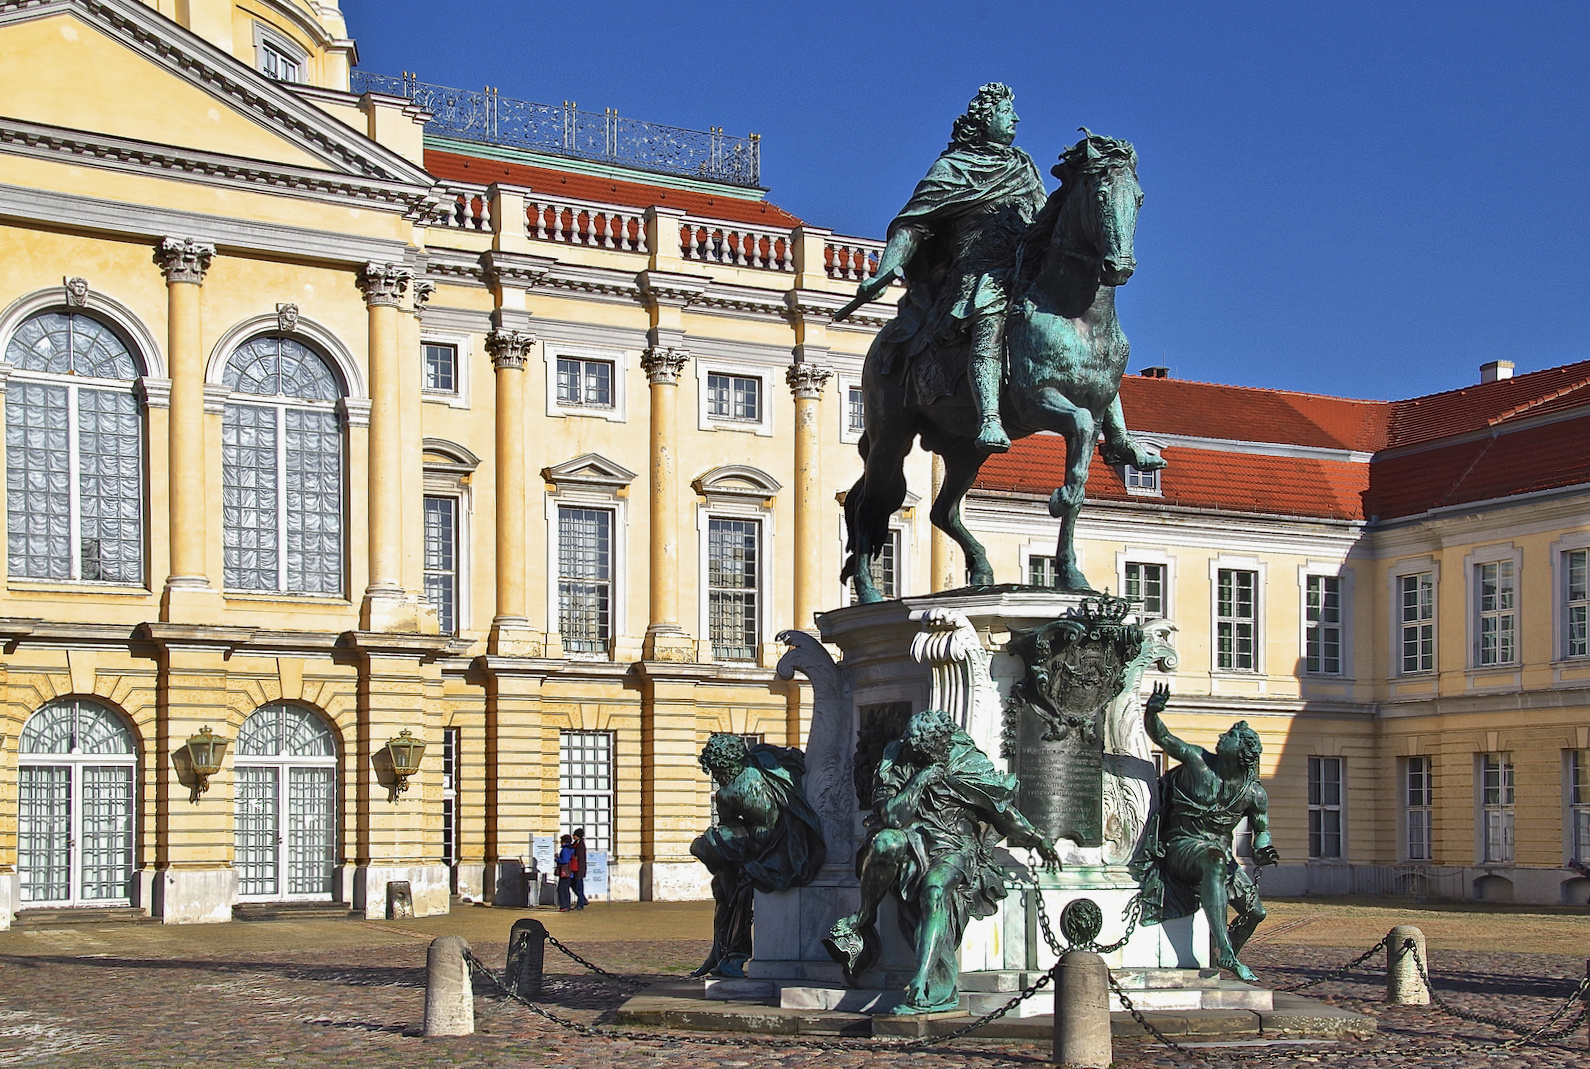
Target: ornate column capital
(423, 289)
(806, 380)
(508, 347)
(384, 283)
(663, 364)
(184, 260)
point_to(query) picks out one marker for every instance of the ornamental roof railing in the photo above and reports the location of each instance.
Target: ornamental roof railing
(487, 117)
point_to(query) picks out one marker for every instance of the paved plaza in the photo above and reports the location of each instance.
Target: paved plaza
(351, 993)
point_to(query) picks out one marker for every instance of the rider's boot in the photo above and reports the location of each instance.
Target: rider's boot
(985, 375)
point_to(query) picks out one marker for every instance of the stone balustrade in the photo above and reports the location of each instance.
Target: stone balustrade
(464, 207)
(600, 226)
(707, 241)
(851, 259)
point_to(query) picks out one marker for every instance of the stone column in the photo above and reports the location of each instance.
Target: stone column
(510, 625)
(806, 380)
(384, 608)
(188, 595)
(666, 639)
(942, 550)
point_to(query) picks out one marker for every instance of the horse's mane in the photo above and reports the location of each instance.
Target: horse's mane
(1093, 155)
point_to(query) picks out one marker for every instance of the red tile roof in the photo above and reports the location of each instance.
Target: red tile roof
(481, 171)
(1245, 413)
(1439, 415)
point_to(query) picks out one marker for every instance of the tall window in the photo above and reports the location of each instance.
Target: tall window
(75, 789)
(281, 470)
(1323, 626)
(733, 568)
(1145, 584)
(855, 409)
(1496, 805)
(1498, 620)
(585, 578)
(1416, 597)
(1235, 620)
(1579, 804)
(285, 842)
(885, 568)
(1576, 603)
(585, 383)
(585, 786)
(734, 397)
(1419, 804)
(452, 739)
(441, 560)
(1324, 807)
(74, 453)
(441, 367)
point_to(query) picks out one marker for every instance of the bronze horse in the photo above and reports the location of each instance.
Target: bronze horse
(1064, 355)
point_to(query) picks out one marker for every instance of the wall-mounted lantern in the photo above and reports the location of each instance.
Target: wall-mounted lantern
(204, 759)
(405, 752)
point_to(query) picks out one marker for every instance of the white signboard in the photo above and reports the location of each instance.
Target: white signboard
(595, 873)
(545, 851)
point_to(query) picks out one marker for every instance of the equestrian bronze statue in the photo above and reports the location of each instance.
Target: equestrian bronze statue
(1007, 328)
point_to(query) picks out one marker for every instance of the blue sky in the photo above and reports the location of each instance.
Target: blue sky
(1360, 199)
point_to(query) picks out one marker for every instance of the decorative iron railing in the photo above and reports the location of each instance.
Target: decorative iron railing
(566, 131)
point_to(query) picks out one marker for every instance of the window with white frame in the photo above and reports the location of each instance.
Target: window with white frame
(1579, 805)
(1416, 618)
(585, 786)
(1322, 633)
(1418, 807)
(74, 453)
(1145, 585)
(734, 398)
(1496, 807)
(733, 587)
(1139, 482)
(1324, 807)
(1041, 570)
(441, 367)
(585, 578)
(585, 383)
(1236, 620)
(441, 559)
(855, 409)
(884, 568)
(1576, 603)
(276, 57)
(1495, 601)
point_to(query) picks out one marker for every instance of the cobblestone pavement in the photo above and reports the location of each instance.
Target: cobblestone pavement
(349, 993)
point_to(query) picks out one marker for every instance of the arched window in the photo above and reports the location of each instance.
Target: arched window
(75, 806)
(74, 453)
(281, 470)
(286, 826)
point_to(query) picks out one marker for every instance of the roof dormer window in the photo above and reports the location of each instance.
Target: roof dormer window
(278, 58)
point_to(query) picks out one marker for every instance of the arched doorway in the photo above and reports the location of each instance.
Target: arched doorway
(286, 810)
(76, 786)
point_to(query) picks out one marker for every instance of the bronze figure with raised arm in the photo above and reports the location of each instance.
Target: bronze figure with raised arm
(1187, 861)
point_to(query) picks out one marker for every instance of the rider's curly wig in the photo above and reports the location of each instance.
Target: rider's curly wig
(722, 753)
(937, 727)
(971, 129)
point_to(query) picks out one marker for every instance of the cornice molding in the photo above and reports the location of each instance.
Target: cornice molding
(670, 290)
(513, 268)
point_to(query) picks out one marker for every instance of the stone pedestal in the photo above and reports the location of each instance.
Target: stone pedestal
(948, 651)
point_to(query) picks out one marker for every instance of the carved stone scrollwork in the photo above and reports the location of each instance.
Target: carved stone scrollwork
(184, 260)
(1129, 775)
(664, 364)
(830, 750)
(508, 348)
(806, 380)
(423, 288)
(286, 318)
(384, 283)
(962, 686)
(76, 292)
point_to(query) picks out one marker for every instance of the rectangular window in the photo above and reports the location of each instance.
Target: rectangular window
(585, 579)
(1498, 619)
(1040, 571)
(1236, 620)
(1416, 597)
(1496, 804)
(1323, 634)
(276, 63)
(441, 368)
(1145, 584)
(885, 569)
(1576, 607)
(734, 397)
(855, 410)
(733, 548)
(1324, 807)
(585, 383)
(585, 786)
(441, 560)
(1419, 804)
(450, 781)
(1140, 482)
(1579, 805)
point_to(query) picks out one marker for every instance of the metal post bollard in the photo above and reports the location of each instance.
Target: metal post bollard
(1082, 1011)
(449, 990)
(527, 948)
(1404, 985)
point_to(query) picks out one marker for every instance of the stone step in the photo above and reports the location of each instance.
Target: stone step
(56, 917)
(296, 911)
